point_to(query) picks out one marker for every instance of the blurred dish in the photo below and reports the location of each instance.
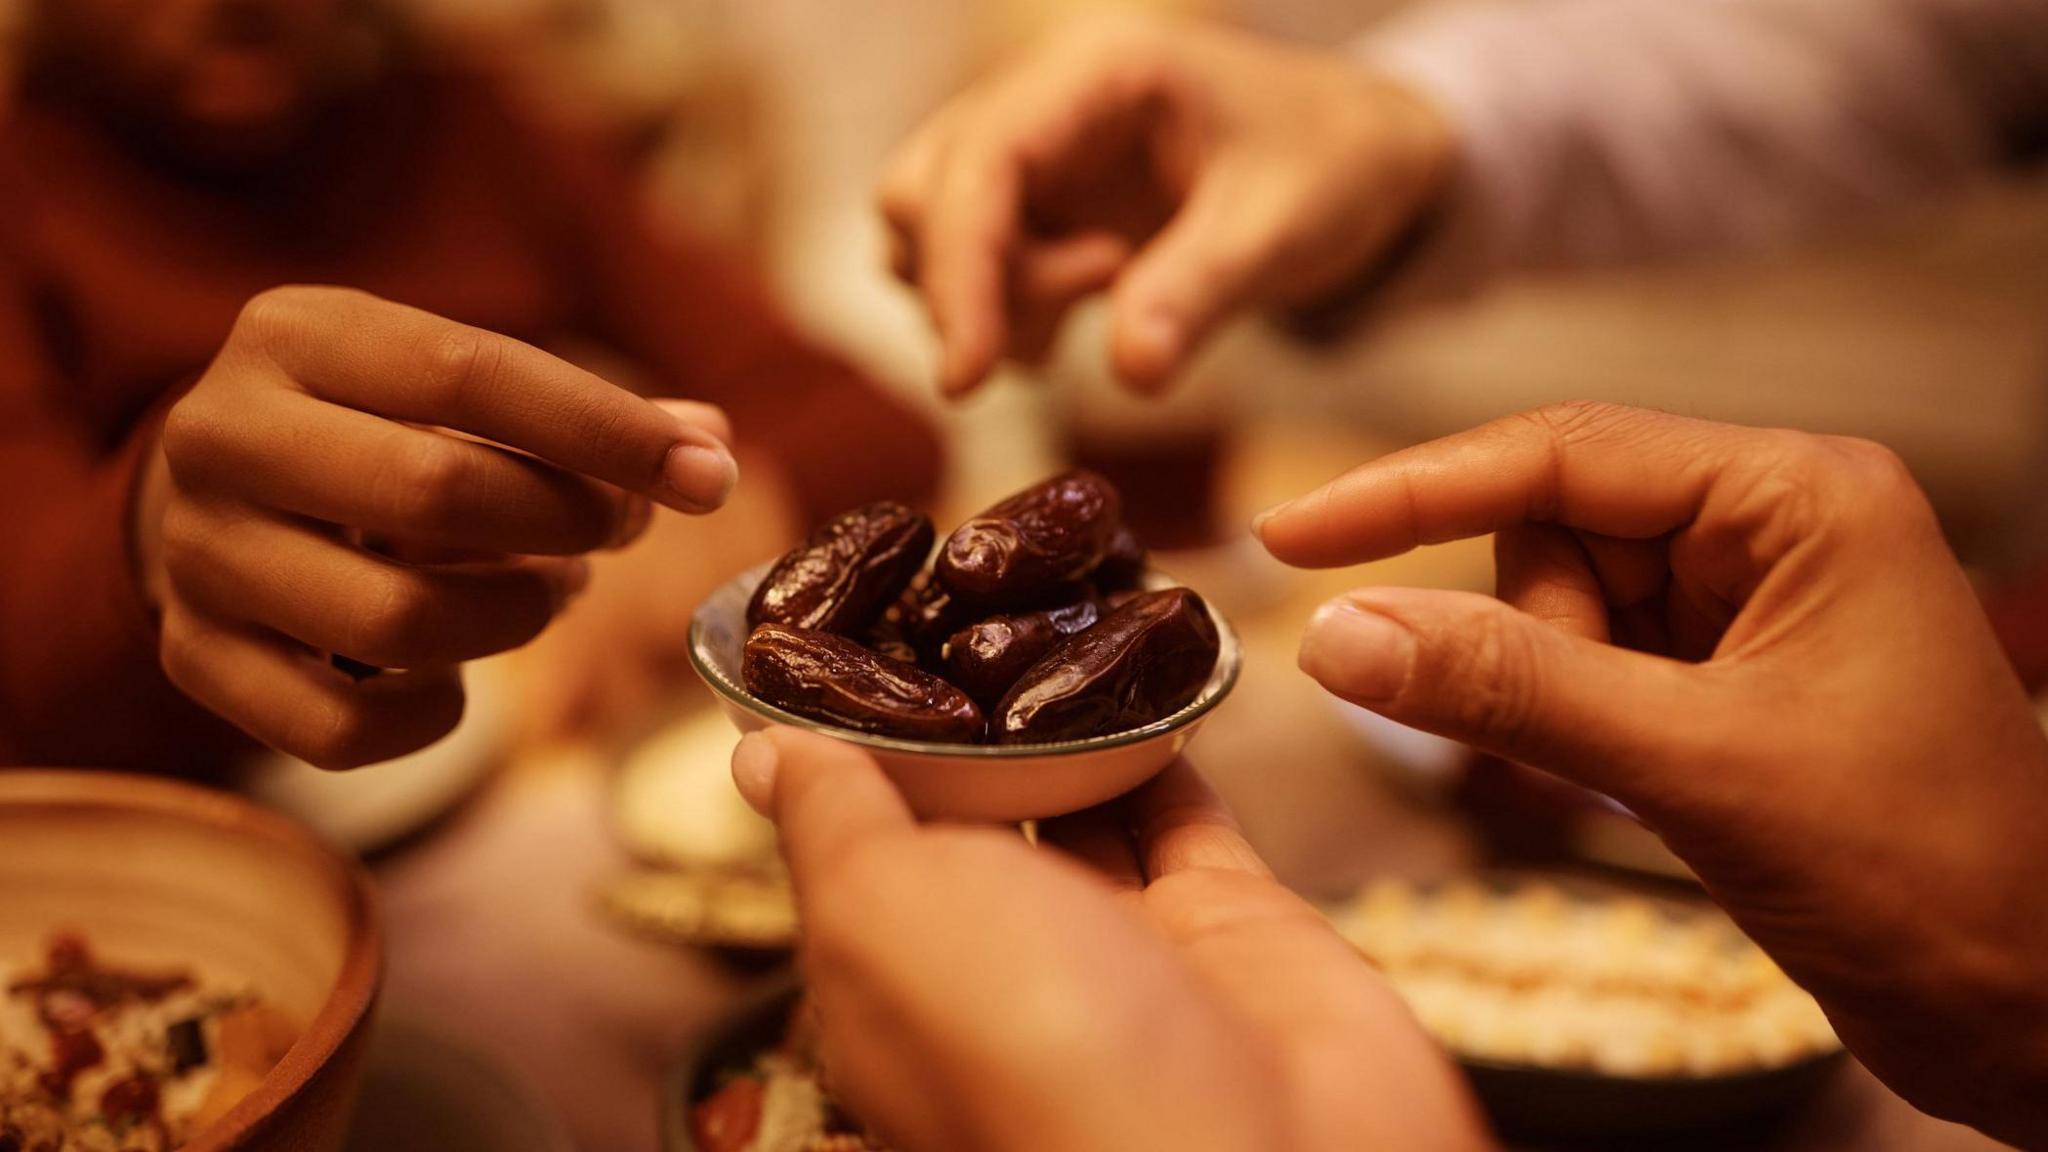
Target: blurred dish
(163, 877)
(1589, 1013)
(746, 911)
(674, 803)
(993, 783)
(753, 1085)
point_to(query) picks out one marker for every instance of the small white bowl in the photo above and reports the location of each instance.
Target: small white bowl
(994, 783)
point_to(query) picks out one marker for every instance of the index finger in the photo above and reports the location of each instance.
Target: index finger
(1604, 468)
(356, 350)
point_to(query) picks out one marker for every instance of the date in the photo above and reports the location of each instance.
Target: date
(846, 573)
(1021, 548)
(987, 657)
(835, 680)
(1143, 662)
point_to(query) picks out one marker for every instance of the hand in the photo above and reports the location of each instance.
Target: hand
(1200, 171)
(1138, 981)
(1759, 641)
(355, 477)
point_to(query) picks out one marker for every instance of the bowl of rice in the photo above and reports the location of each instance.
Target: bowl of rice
(179, 968)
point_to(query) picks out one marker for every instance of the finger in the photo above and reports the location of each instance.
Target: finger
(289, 699)
(826, 797)
(343, 466)
(700, 415)
(1542, 571)
(904, 190)
(1100, 838)
(1048, 277)
(1616, 471)
(1181, 825)
(1207, 263)
(1469, 667)
(336, 598)
(362, 352)
(963, 250)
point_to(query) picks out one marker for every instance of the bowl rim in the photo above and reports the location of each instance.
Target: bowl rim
(356, 985)
(1222, 678)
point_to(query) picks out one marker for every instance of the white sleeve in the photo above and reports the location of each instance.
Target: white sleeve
(1602, 131)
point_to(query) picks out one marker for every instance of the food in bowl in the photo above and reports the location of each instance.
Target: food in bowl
(1526, 973)
(1029, 628)
(101, 1058)
(778, 1101)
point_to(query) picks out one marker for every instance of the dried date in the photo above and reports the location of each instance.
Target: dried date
(832, 679)
(1020, 549)
(986, 658)
(843, 576)
(1143, 662)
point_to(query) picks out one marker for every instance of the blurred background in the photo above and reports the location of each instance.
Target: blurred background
(767, 119)
(763, 123)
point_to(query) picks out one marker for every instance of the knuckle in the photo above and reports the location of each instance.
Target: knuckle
(333, 734)
(1495, 681)
(463, 365)
(1572, 421)
(391, 625)
(192, 437)
(428, 485)
(276, 315)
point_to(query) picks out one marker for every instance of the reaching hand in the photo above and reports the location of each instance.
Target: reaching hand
(1137, 981)
(355, 477)
(1759, 641)
(1199, 171)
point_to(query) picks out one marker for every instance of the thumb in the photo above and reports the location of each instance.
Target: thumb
(826, 797)
(1202, 266)
(1640, 728)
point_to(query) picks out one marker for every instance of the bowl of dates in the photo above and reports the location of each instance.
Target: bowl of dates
(1027, 665)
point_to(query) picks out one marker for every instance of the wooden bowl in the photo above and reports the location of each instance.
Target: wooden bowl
(155, 873)
(994, 783)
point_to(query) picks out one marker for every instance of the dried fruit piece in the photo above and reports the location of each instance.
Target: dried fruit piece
(835, 680)
(1018, 551)
(1143, 662)
(987, 657)
(843, 576)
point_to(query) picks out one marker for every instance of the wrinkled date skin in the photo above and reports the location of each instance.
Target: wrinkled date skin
(986, 658)
(1017, 551)
(834, 680)
(1143, 662)
(842, 577)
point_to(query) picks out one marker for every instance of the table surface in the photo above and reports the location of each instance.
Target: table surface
(496, 938)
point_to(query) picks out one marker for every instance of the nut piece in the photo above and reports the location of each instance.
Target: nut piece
(1018, 551)
(842, 577)
(832, 679)
(1143, 662)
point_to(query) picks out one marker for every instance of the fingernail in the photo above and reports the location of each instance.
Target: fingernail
(699, 477)
(1259, 521)
(753, 771)
(1357, 653)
